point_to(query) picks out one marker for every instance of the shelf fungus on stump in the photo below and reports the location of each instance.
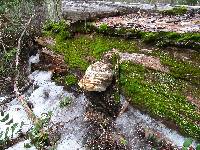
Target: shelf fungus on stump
(98, 77)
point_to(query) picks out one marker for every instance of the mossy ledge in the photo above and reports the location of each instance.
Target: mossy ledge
(159, 39)
(158, 99)
(181, 10)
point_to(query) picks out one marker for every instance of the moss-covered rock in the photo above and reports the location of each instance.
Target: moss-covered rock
(175, 11)
(180, 69)
(158, 100)
(160, 39)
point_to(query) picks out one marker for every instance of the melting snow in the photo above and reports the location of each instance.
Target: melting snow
(20, 146)
(133, 117)
(70, 142)
(34, 59)
(17, 113)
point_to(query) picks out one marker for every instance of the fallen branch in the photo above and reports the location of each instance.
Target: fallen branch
(16, 89)
(1, 41)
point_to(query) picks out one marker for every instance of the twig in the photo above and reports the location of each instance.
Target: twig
(1, 41)
(17, 59)
(16, 90)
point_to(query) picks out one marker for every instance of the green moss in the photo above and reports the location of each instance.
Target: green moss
(163, 39)
(158, 99)
(180, 69)
(78, 51)
(103, 28)
(116, 95)
(59, 30)
(159, 93)
(150, 37)
(160, 39)
(70, 79)
(175, 11)
(7, 59)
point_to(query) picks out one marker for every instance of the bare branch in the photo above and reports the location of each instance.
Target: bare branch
(1, 41)
(16, 89)
(17, 58)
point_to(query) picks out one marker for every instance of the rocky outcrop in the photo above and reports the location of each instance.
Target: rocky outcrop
(145, 60)
(91, 10)
(153, 22)
(97, 77)
(51, 62)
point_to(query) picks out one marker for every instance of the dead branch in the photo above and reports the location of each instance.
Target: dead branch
(1, 41)
(16, 89)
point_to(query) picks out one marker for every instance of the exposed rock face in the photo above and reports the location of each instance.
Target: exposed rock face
(97, 77)
(90, 10)
(145, 60)
(51, 62)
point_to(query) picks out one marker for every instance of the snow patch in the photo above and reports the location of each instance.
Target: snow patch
(17, 113)
(20, 146)
(34, 59)
(41, 78)
(133, 117)
(2, 99)
(70, 142)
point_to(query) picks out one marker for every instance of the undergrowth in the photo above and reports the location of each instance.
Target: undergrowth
(11, 129)
(39, 134)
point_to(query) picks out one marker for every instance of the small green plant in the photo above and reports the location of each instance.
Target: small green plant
(103, 28)
(70, 79)
(10, 130)
(188, 145)
(9, 55)
(123, 141)
(7, 61)
(39, 134)
(175, 11)
(65, 102)
(27, 145)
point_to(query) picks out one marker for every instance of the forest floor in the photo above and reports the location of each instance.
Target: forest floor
(159, 78)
